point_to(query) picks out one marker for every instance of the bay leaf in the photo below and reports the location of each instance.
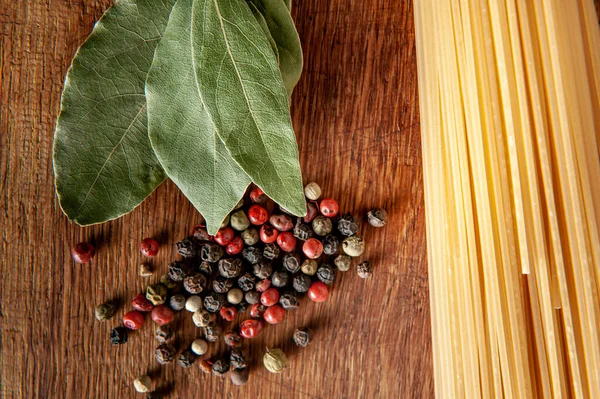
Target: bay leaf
(265, 28)
(243, 91)
(104, 164)
(282, 28)
(288, 4)
(181, 130)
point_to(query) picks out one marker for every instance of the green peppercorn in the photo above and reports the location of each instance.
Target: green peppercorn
(309, 267)
(167, 281)
(275, 360)
(239, 221)
(250, 236)
(354, 246)
(343, 262)
(157, 294)
(105, 311)
(322, 225)
(377, 217)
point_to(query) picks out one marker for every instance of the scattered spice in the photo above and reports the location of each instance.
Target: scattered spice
(163, 333)
(289, 300)
(177, 302)
(199, 347)
(312, 191)
(237, 359)
(145, 270)
(206, 366)
(162, 315)
(186, 358)
(232, 339)
(364, 269)
(329, 207)
(105, 311)
(193, 303)
(347, 225)
(318, 292)
(195, 283)
(377, 217)
(149, 247)
(275, 360)
(157, 294)
(220, 367)
(165, 353)
(187, 248)
(354, 246)
(239, 376)
(142, 384)
(177, 271)
(118, 336)
(343, 262)
(133, 320)
(274, 314)
(212, 332)
(202, 317)
(302, 336)
(141, 303)
(326, 273)
(322, 225)
(83, 252)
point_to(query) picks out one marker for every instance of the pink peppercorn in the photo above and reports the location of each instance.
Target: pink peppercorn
(228, 313)
(257, 310)
(83, 252)
(162, 315)
(312, 248)
(286, 241)
(311, 212)
(270, 297)
(329, 207)
(258, 196)
(258, 215)
(251, 328)
(133, 320)
(268, 234)
(142, 304)
(235, 246)
(224, 236)
(263, 285)
(318, 292)
(274, 314)
(149, 247)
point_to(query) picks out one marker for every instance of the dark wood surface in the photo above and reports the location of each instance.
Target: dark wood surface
(356, 117)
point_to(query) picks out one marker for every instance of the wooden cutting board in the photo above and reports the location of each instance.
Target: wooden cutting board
(356, 117)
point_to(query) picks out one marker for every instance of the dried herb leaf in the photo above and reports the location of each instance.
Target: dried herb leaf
(265, 28)
(182, 131)
(242, 88)
(104, 164)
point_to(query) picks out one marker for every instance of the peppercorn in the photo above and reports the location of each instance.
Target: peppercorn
(225, 222)
(224, 236)
(118, 336)
(149, 247)
(200, 234)
(237, 359)
(142, 384)
(301, 283)
(193, 303)
(133, 319)
(318, 292)
(232, 339)
(268, 234)
(377, 217)
(236, 295)
(250, 236)
(330, 244)
(163, 333)
(291, 262)
(364, 269)
(312, 191)
(186, 358)
(167, 282)
(252, 254)
(206, 366)
(281, 222)
(177, 271)
(302, 231)
(354, 246)
(342, 262)
(347, 225)
(199, 347)
(230, 267)
(235, 246)
(246, 283)
(212, 332)
(275, 360)
(221, 284)
(195, 283)
(83, 252)
(242, 306)
(280, 278)
(206, 268)
(220, 367)
(145, 270)
(239, 221)
(258, 196)
(202, 317)
(187, 248)
(263, 285)
(165, 353)
(105, 311)
(177, 302)
(213, 302)
(322, 225)
(286, 241)
(329, 207)
(311, 212)
(212, 252)
(289, 300)
(257, 310)
(263, 269)
(162, 315)
(302, 336)
(326, 273)
(312, 248)
(274, 314)
(251, 328)
(269, 297)
(239, 376)
(228, 313)
(252, 297)
(156, 293)
(309, 267)
(271, 251)
(257, 215)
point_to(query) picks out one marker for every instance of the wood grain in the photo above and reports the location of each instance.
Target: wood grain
(356, 117)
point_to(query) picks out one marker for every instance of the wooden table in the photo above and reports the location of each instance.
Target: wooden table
(356, 118)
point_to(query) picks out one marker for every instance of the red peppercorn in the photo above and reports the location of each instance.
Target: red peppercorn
(133, 320)
(270, 297)
(263, 285)
(228, 313)
(286, 241)
(142, 304)
(83, 252)
(274, 314)
(329, 207)
(257, 310)
(318, 292)
(258, 215)
(311, 212)
(312, 248)
(258, 196)
(224, 236)
(162, 315)
(251, 328)
(149, 247)
(268, 234)
(235, 246)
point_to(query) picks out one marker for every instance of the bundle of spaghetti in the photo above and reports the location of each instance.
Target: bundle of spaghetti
(510, 117)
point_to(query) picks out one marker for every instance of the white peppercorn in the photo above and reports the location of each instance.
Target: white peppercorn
(312, 191)
(177, 302)
(193, 303)
(322, 225)
(142, 384)
(309, 267)
(199, 347)
(239, 221)
(235, 296)
(202, 317)
(354, 246)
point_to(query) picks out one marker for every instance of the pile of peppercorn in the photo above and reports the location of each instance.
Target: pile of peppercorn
(262, 258)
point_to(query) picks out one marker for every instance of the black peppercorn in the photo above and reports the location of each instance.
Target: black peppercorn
(200, 234)
(263, 269)
(230, 267)
(195, 283)
(211, 252)
(165, 353)
(242, 306)
(212, 332)
(330, 244)
(364, 269)
(163, 333)
(347, 225)
(206, 268)
(326, 273)
(213, 302)
(252, 254)
(280, 278)
(220, 367)
(377, 217)
(232, 339)
(186, 359)
(246, 282)
(301, 282)
(221, 284)
(118, 336)
(292, 262)
(271, 251)
(252, 297)
(187, 248)
(289, 300)
(302, 231)
(302, 336)
(237, 358)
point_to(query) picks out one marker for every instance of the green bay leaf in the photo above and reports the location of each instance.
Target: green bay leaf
(104, 164)
(265, 28)
(181, 130)
(243, 91)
